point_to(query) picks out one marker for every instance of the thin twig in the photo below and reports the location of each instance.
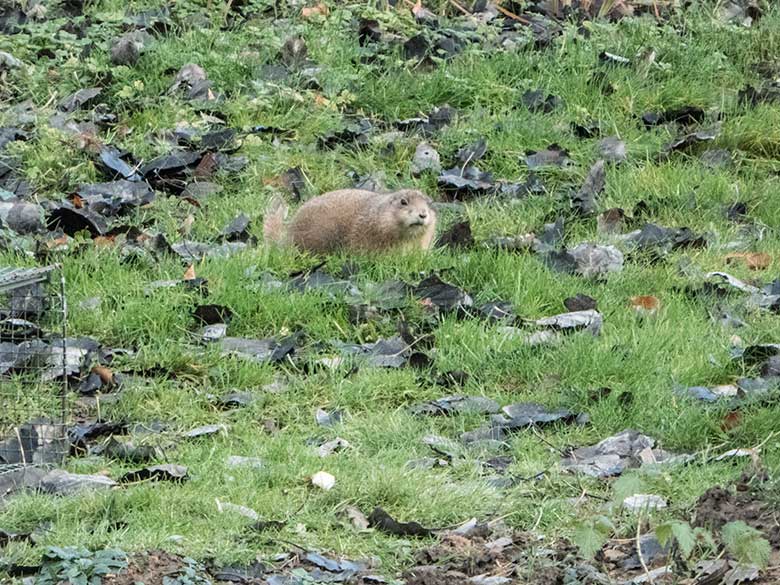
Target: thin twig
(459, 7)
(639, 549)
(512, 15)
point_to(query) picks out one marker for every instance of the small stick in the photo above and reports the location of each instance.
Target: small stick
(512, 15)
(639, 549)
(459, 7)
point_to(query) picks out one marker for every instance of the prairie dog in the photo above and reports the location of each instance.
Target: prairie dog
(354, 220)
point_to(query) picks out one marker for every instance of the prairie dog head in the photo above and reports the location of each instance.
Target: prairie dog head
(412, 208)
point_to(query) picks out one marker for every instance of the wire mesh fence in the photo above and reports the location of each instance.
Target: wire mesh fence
(33, 367)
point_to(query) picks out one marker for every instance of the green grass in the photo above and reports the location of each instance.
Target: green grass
(699, 62)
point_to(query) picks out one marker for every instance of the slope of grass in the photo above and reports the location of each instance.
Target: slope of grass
(698, 61)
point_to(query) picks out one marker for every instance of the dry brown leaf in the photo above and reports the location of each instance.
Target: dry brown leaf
(357, 518)
(318, 10)
(57, 242)
(645, 304)
(103, 241)
(105, 374)
(77, 201)
(190, 273)
(753, 260)
(186, 225)
(731, 421)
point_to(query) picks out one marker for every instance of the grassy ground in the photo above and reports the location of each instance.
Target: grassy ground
(699, 61)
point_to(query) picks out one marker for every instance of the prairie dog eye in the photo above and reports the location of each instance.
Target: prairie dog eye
(404, 202)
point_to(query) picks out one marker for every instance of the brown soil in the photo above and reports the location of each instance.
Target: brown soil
(746, 501)
(149, 568)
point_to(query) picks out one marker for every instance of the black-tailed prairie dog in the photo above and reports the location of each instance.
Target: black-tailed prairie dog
(354, 220)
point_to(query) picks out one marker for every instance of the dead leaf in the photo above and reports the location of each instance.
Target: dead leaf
(186, 225)
(105, 374)
(753, 260)
(357, 518)
(318, 10)
(190, 273)
(731, 421)
(645, 304)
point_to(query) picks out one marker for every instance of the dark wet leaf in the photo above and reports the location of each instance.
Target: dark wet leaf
(384, 353)
(538, 101)
(114, 198)
(595, 260)
(769, 93)
(444, 297)
(295, 182)
(614, 455)
(553, 155)
(259, 350)
(588, 129)
(129, 451)
(532, 185)
(685, 116)
(458, 404)
(584, 201)
(235, 400)
(369, 31)
(433, 122)
(527, 414)
(457, 236)
(472, 152)
(417, 47)
(655, 236)
(82, 433)
(223, 139)
(212, 314)
(237, 230)
(170, 163)
(62, 483)
(451, 379)
(78, 99)
(204, 431)
(294, 52)
(612, 149)
(319, 280)
(168, 472)
(192, 252)
(611, 221)
(718, 158)
(589, 320)
(685, 142)
(10, 134)
(351, 133)
(72, 221)
(559, 260)
(498, 311)
(127, 48)
(464, 183)
(328, 419)
(383, 522)
(243, 574)
(580, 302)
(114, 165)
(21, 216)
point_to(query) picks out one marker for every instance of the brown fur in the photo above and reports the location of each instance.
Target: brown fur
(355, 220)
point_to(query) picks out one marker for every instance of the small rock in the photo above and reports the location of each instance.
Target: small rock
(323, 480)
(639, 503)
(425, 159)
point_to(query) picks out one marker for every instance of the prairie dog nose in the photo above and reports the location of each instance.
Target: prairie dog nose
(423, 214)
